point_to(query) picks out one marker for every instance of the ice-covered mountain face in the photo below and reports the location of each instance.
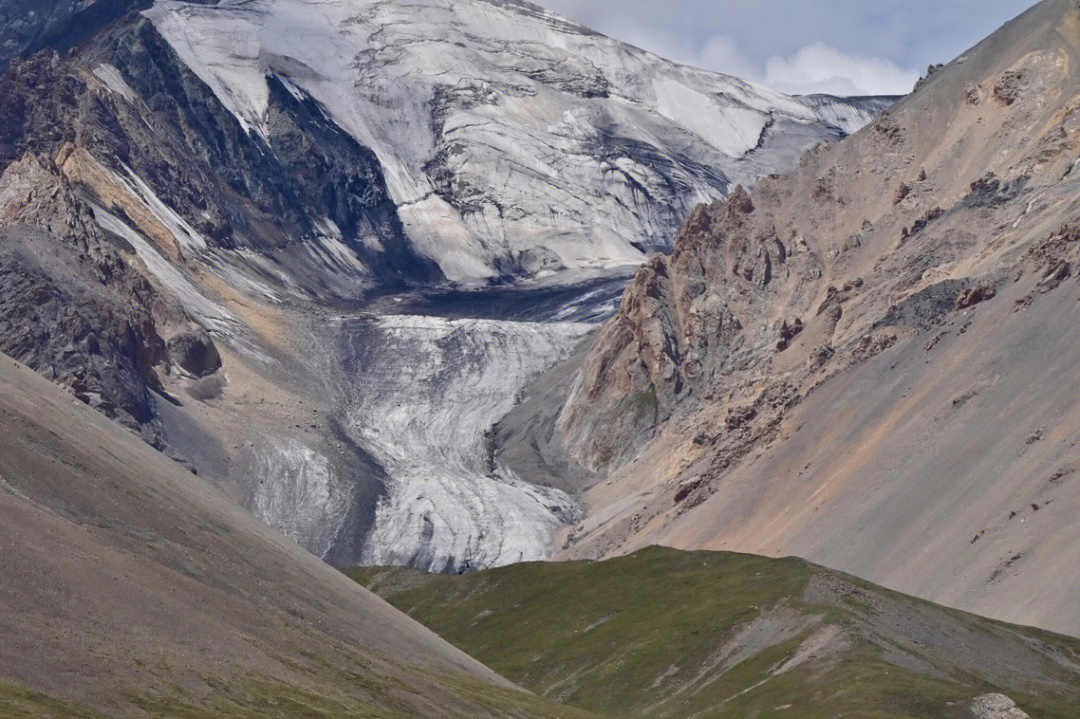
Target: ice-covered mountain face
(230, 225)
(514, 142)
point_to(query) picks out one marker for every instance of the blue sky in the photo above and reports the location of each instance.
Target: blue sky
(839, 46)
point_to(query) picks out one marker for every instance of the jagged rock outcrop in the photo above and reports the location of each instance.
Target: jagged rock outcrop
(996, 706)
(195, 353)
(850, 358)
(73, 305)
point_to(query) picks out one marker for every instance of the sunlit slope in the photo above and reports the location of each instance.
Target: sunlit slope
(663, 633)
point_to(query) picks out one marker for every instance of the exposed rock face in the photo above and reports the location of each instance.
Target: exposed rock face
(307, 196)
(195, 353)
(515, 142)
(679, 327)
(97, 158)
(72, 306)
(841, 442)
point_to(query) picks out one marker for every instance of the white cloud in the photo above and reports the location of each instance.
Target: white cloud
(815, 68)
(861, 47)
(820, 68)
(722, 54)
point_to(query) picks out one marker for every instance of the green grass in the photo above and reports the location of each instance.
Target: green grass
(662, 634)
(655, 634)
(265, 699)
(17, 702)
(333, 694)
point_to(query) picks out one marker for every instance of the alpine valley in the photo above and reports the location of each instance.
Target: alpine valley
(240, 228)
(423, 289)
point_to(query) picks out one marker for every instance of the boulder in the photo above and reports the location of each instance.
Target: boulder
(195, 353)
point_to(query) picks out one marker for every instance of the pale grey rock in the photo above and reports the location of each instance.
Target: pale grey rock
(996, 706)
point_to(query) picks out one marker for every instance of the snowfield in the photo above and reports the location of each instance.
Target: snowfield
(513, 141)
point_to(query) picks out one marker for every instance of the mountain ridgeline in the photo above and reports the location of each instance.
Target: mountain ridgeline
(463, 285)
(867, 361)
(664, 633)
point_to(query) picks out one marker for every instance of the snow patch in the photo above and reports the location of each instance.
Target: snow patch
(733, 130)
(206, 312)
(115, 82)
(297, 493)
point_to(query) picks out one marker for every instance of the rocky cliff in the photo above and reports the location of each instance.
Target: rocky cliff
(75, 307)
(866, 361)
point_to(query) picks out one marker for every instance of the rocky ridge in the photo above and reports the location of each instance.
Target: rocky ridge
(832, 355)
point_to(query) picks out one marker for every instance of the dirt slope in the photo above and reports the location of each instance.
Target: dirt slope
(870, 362)
(129, 583)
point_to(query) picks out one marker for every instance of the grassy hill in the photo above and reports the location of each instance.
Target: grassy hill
(664, 633)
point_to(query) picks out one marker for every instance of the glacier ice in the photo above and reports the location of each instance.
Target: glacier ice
(423, 394)
(514, 142)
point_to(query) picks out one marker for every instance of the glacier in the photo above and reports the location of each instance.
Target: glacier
(425, 392)
(515, 143)
(535, 162)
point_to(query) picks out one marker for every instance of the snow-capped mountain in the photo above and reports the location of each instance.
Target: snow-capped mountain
(514, 142)
(273, 193)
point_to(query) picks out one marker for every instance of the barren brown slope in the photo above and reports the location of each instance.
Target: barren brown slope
(870, 362)
(128, 583)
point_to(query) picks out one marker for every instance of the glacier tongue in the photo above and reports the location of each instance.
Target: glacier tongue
(514, 142)
(424, 393)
